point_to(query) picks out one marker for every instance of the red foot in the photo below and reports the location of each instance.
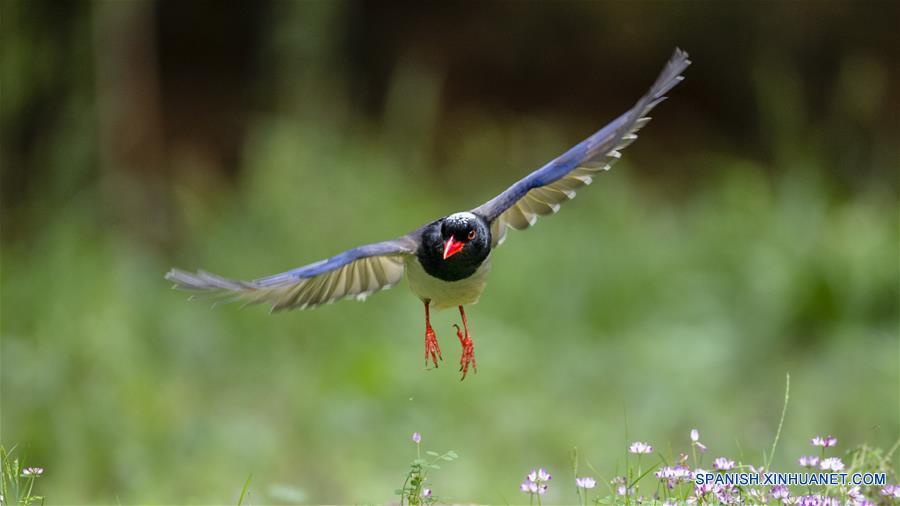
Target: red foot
(431, 347)
(468, 353)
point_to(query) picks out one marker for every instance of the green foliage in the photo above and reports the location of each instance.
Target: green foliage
(17, 480)
(414, 492)
(684, 312)
(244, 490)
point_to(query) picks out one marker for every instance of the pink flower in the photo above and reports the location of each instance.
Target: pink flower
(538, 476)
(426, 492)
(695, 440)
(723, 464)
(535, 482)
(673, 475)
(817, 500)
(416, 437)
(640, 448)
(758, 495)
(825, 442)
(808, 461)
(780, 492)
(891, 491)
(727, 494)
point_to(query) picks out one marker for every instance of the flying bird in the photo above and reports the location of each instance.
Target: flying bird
(447, 261)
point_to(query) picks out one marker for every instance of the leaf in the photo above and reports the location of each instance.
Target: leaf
(452, 454)
(447, 458)
(244, 489)
(433, 454)
(434, 466)
(645, 473)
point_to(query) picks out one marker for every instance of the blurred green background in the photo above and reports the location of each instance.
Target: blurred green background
(750, 232)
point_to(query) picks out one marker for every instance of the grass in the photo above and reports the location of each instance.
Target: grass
(680, 477)
(695, 330)
(17, 480)
(670, 479)
(414, 490)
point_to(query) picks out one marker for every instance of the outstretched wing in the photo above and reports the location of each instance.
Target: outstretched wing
(357, 273)
(541, 192)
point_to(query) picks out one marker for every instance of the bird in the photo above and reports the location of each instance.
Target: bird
(446, 261)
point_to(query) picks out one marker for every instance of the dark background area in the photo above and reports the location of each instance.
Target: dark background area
(751, 231)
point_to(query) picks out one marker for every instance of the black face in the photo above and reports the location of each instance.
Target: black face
(454, 247)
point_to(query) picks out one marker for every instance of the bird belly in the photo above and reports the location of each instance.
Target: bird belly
(443, 294)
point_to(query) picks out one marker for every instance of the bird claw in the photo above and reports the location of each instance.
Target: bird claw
(431, 347)
(468, 353)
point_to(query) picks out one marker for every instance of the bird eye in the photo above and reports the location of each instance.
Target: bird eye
(471, 234)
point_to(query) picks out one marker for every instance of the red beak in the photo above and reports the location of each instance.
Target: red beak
(452, 247)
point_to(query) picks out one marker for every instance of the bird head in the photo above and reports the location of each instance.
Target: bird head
(464, 232)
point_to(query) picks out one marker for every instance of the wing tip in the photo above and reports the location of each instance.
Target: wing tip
(180, 279)
(681, 56)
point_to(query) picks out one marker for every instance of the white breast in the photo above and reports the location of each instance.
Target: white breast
(444, 294)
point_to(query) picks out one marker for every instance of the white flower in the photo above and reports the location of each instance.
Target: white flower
(640, 447)
(808, 461)
(831, 464)
(695, 440)
(673, 473)
(723, 464)
(586, 482)
(28, 472)
(535, 482)
(826, 441)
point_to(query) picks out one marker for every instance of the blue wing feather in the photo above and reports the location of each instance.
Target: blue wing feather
(394, 247)
(602, 143)
(358, 273)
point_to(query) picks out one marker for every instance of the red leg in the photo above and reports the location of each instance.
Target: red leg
(431, 344)
(468, 351)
